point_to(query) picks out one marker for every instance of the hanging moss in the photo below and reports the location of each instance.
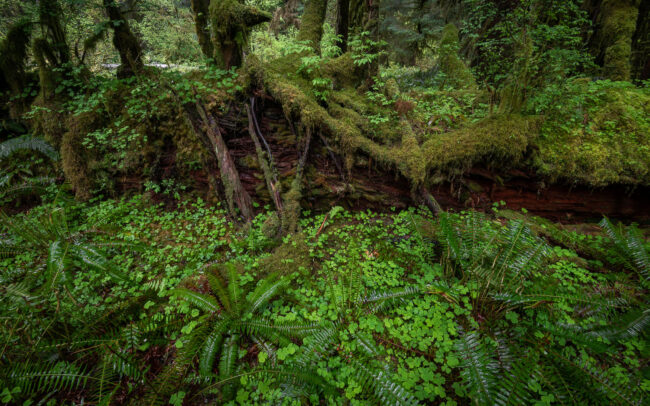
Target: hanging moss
(619, 19)
(457, 74)
(125, 42)
(13, 58)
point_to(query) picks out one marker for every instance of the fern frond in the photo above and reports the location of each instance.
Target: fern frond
(234, 290)
(265, 328)
(382, 388)
(381, 301)
(218, 287)
(203, 302)
(478, 369)
(592, 382)
(42, 378)
(514, 385)
(268, 288)
(212, 346)
(229, 354)
(27, 143)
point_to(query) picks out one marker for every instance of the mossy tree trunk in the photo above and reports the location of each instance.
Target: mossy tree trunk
(618, 20)
(201, 11)
(125, 41)
(51, 50)
(13, 58)
(311, 25)
(231, 22)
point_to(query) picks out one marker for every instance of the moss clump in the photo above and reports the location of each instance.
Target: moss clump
(292, 256)
(502, 140)
(457, 74)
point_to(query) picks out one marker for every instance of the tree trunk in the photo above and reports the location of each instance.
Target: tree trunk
(51, 50)
(201, 11)
(125, 42)
(342, 21)
(231, 24)
(311, 26)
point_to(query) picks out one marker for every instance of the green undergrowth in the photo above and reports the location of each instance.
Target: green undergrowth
(356, 308)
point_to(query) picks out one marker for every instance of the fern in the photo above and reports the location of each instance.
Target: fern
(630, 246)
(478, 369)
(27, 143)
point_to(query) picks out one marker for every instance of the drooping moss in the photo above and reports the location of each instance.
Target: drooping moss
(457, 74)
(125, 42)
(13, 58)
(619, 19)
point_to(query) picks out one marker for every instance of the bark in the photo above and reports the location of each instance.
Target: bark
(311, 26)
(267, 166)
(285, 17)
(236, 195)
(125, 42)
(201, 12)
(231, 22)
(641, 44)
(342, 23)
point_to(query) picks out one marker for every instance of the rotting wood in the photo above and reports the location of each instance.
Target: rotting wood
(272, 183)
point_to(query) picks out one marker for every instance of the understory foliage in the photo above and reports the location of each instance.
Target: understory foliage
(157, 158)
(126, 302)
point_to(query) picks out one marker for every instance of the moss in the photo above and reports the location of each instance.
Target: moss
(231, 22)
(311, 23)
(200, 10)
(73, 160)
(502, 140)
(457, 74)
(292, 256)
(618, 25)
(607, 143)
